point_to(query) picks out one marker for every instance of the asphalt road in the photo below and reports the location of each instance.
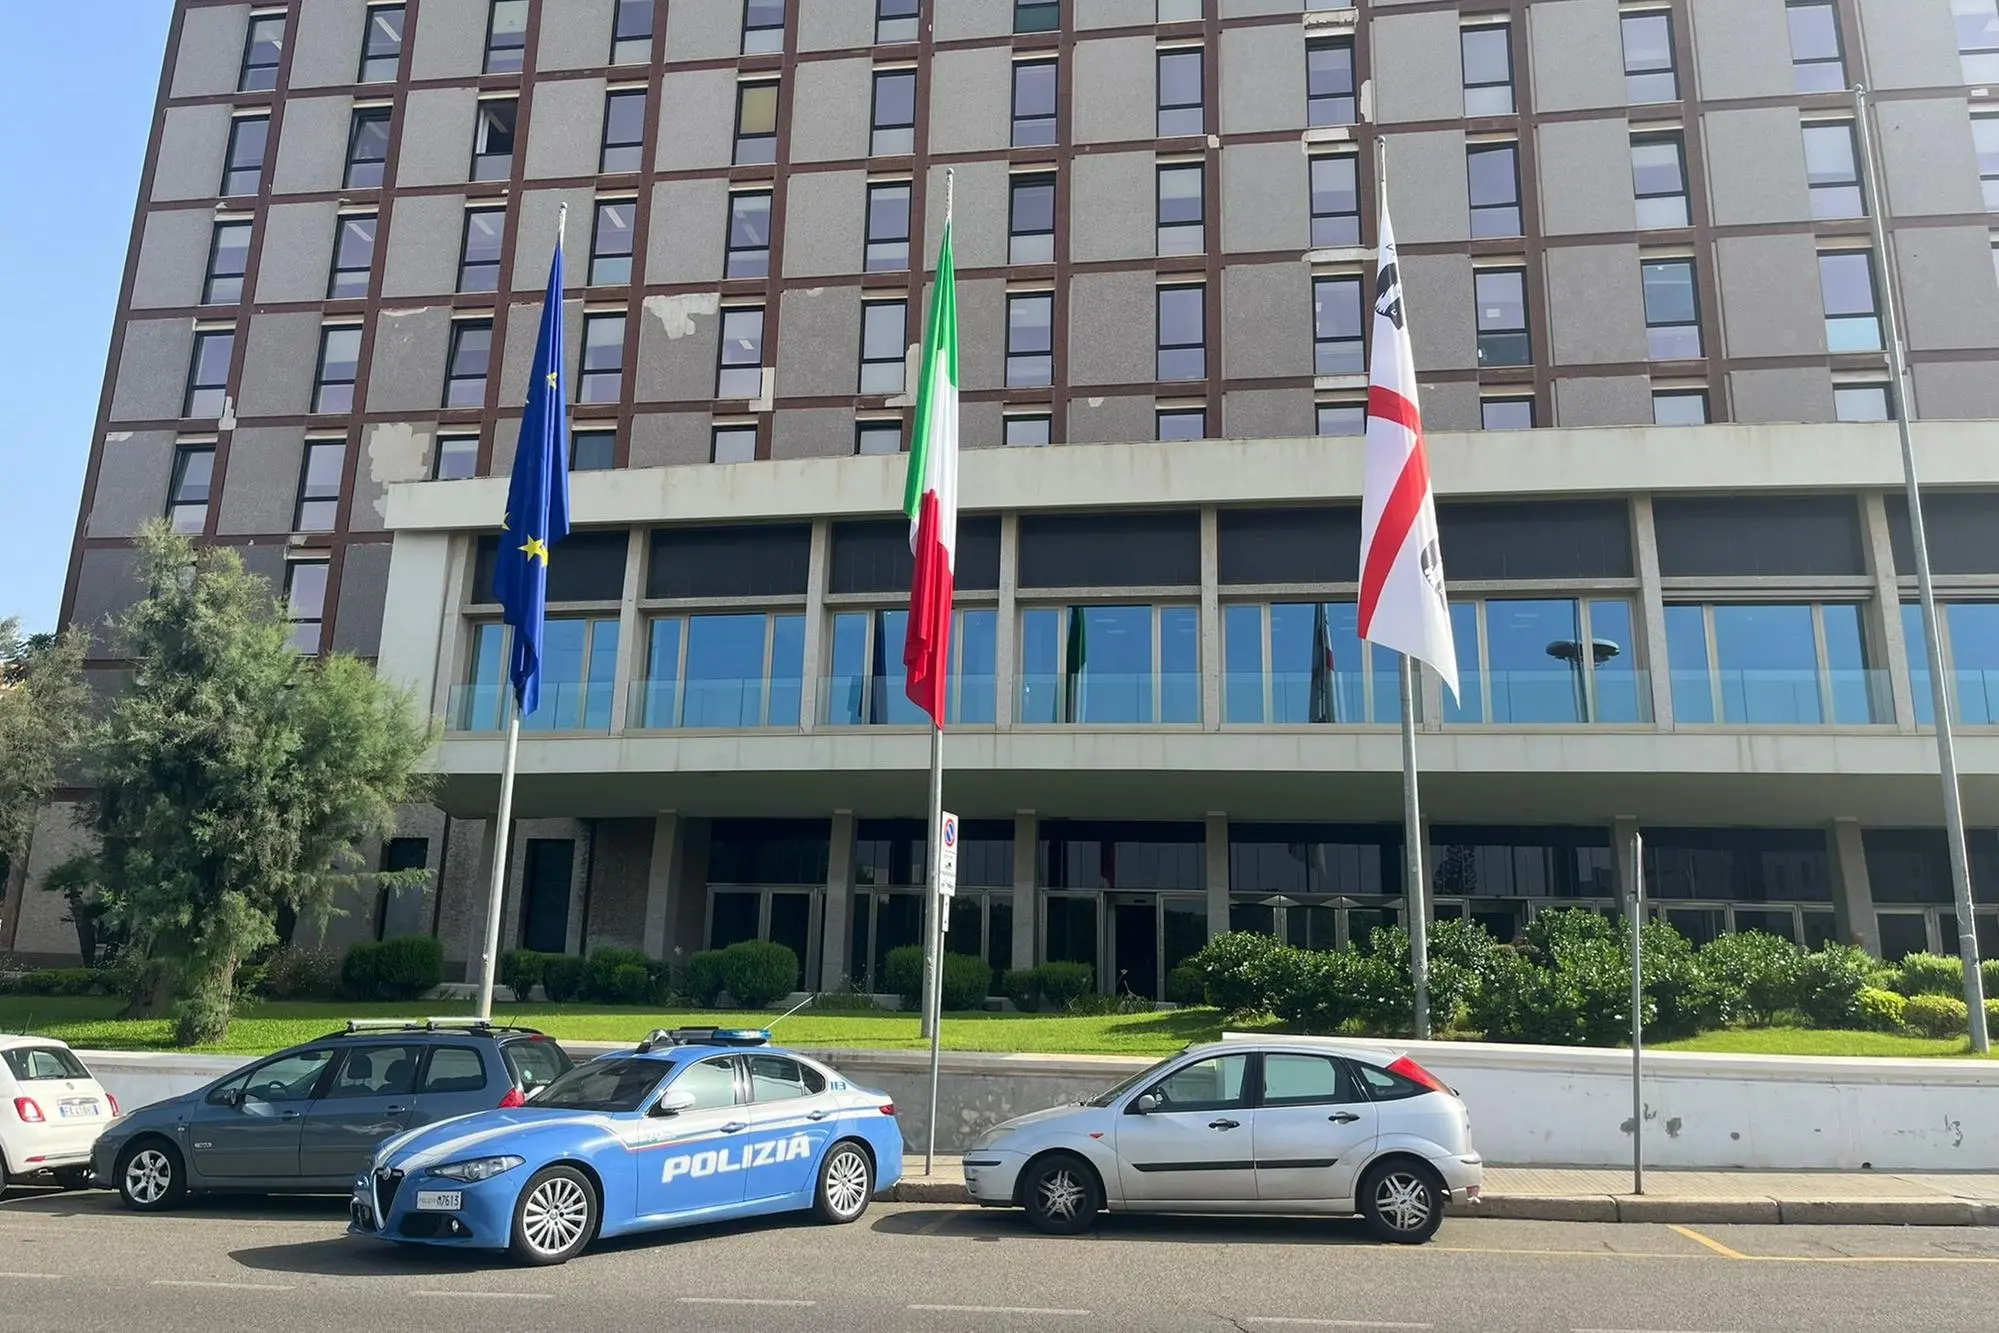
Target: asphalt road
(79, 1262)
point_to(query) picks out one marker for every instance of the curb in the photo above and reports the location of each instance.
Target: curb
(1623, 1208)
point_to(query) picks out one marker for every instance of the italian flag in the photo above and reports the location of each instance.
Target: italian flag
(930, 497)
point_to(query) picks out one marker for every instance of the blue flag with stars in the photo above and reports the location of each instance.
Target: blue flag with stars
(537, 500)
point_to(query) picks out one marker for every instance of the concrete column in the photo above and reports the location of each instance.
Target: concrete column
(833, 931)
(582, 867)
(1651, 620)
(660, 883)
(475, 917)
(1622, 830)
(1211, 624)
(631, 636)
(1026, 830)
(1888, 648)
(1218, 872)
(1006, 653)
(809, 706)
(1852, 895)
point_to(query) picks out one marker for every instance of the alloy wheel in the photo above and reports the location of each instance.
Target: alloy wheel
(1061, 1194)
(1403, 1200)
(556, 1215)
(847, 1182)
(148, 1176)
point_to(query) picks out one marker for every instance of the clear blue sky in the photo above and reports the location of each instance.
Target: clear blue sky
(76, 90)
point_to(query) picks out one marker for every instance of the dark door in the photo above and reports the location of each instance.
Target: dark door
(791, 926)
(1136, 936)
(545, 913)
(368, 1100)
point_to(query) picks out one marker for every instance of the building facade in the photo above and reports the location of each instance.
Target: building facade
(1646, 312)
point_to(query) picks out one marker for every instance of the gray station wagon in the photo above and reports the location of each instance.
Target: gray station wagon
(309, 1119)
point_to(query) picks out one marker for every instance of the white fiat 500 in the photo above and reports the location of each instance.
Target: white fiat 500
(51, 1111)
(1284, 1125)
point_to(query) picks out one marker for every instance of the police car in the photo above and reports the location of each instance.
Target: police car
(695, 1125)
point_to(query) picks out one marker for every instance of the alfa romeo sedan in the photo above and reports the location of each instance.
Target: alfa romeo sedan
(1286, 1125)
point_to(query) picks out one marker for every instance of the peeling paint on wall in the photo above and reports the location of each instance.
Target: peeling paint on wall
(676, 313)
(397, 451)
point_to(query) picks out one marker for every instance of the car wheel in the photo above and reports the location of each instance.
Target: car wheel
(151, 1177)
(555, 1217)
(1061, 1195)
(846, 1184)
(1402, 1203)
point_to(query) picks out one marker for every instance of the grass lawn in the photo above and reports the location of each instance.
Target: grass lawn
(1813, 1041)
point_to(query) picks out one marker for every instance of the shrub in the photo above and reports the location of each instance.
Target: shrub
(52, 981)
(1463, 957)
(1583, 998)
(1991, 1016)
(629, 983)
(1301, 987)
(1233, 970)
(902, 974)
(1022, 985)
(1937, 1015)
(1062, 983)
(360, 969)
(1829, 985)
(1755, 975)
(848, 999)
(408, 966)
(1184, 985)
(302, 974)
(701, 977)
(520, 971)
(758, 972)
(1683, 998)
(1988, 975)
(600, 977)
(967, 979)
(1931, 974)
(1882, 1010)
(1551, 933)
(563, 977)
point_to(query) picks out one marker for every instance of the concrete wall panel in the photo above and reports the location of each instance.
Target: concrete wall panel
(1445, 333)
(1756, 167)
(700, 105)
(260, 487)
(192, 144)
(1958, 390)
(678, 345)
(836, 25)
(437, 136)
(1108, 217)
(1931, 165)
(581, 40)
(812, 432)
(298, 251)
(566, 131)
(689, 222)
(1266, 320)
(1265, 199)
(312, 145)
(1585, 169)
(836, 242)
(533, 223)
(1578, 55)
(364, 587)
(133, 475)
(279, 364)
(1596, 311)
(1950, 297)
(1114, 90)
(1742, 48)
(1263, 80)
(1432, 194)
(152, 370)
(980, 236)
(971, 101)
(819, 342)
(1116, 420)
(1910, 44)
(209, 59)
(425, 238)
(327, 50)
(712, 30)
(1762, 396)
(407, 373)
(1771, 304)
(837, 101)
(1113, 318)
(1417, 69)
(450, 39)
(665, 438)
(1256, 414)
(1604, 400)
(958, 19)
(173, 258)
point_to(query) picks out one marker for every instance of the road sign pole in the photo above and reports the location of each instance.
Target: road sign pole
(944, 885)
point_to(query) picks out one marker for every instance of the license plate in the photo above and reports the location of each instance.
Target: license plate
(77, 1108)
(439, 1201)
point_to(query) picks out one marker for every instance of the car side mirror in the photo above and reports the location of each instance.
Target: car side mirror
(674, 1102)
(1145, 1105)
(226, 1097)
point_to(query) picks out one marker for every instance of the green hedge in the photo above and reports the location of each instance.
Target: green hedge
(563, 977)
(398, 970)
(520, 971)
(759, 972)
(701, 977)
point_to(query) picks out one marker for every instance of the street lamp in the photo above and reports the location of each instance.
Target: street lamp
(1571, 651)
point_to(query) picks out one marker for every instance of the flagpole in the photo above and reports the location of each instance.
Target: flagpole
(933, 900)
(1412, 842)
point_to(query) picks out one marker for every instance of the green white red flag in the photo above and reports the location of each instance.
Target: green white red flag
(930, 496)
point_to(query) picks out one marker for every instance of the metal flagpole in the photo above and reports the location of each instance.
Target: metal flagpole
(933, 933)
(1637, 1013)
(1953, 806)
(1412, 840)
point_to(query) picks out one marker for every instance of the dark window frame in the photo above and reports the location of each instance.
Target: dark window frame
(599, 383)
(1694, 293)
(1480, 86)
(312, 503)
(1025, 245)
(371, 54)
(762, 44)
(337, 270)
(503, 55)
(1500, 354)
(366, 173)
(307, 631)
(1332, 106)
(1670, 70)
(259, 68)
(754, 259)
(599, 256)
(460, 329)
(622, 37)
(760, 140)
(1871, 313)
(1884, 388)
(487, 163)
(1509, 400)
(235, 166)
(182, 499)
(321, 384)
(1164, 110)
(1802, 68)
(733, 430)
(211, 275)
(724, 367)
(901, 135)
(865, 427)
(1161, 415)
(1659, 395)
(890, 26)
(1028, 358)
(1500, 208)
(1162, 349)
(1037, 121)
(1326, 351)
(868, 238)
(896, 357)
(1348, 223)
(1044, 420)
(438, 472)
(1835, 199)
(1037, 15)
(594, 434)
(1180, 228)
(195, 385)
(630, 152)
(466, 264)
(1675, 140)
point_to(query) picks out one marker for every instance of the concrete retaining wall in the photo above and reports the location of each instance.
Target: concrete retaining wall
(1530, 1105)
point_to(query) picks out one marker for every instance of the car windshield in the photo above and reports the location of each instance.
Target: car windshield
(604, 1085)
(31, 1063)
(1142, 1077)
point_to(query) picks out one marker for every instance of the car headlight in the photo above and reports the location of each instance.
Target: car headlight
(476, 1169)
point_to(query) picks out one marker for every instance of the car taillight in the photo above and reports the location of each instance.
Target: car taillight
(25, 1108)
(512, 1099)
(1415, 1073)
(888, 1108)
(115, 1112)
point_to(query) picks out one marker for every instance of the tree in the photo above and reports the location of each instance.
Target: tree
(44, 714)
(234, 778)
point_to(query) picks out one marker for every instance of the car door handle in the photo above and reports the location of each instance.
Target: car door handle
(1343, 1117)
(815, 1115)
(288, 1115)
(1223, 1124)
(398, 1110)
(735, 1127)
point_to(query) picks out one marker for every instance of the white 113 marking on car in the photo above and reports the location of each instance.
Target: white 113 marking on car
(713, 1161)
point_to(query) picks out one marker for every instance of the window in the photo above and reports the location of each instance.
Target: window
(1030, 339)
(1985, 137)
(740, 373)
(1545, 660)
(1506, 414)
(763, 27)
(1672, 309)
(288, 1078)
(894, 123)
(1852, 320)
(611, 243)
(479, 255)
(1034, 104)
(1501, 295)
(1659, 180)
(732, 444)
(1036, 15)
(263, 48)
(1977, 39)
(1307, 1080)
(1337, 326)
(624, 130)
(1109, 664)
(1648, 58)
(37, 1064)
(1335, 201)
(243, 168)
(1183, 337)
(749, 235)
(493, 139)
(1971, 653)
(1817, 65)
(878, 437)
(1181, 423)
(188, 492)
(1031, 220)
(457, 456)
(1180, 93)
(367, 148)
(228, 255)
(1832, 170)
(1488, 65)
(1028, 429)
(723, 670)
(471, 355)
(1772, 664)
(1182, 210)
(305, 603)
(506, 36)
(382, 43)
(353, 255)
(1679, 407)
(1863, 402)
(1340, 418)
(454, 1069)
(884, 339)
(579, 656)
(208, 372)
(339, 363)
(888, 226)
(756, 123)
(603, 374)
(1207, 1085)
(775, 1079)
(631, 33)
(592, 450)
(1493, 173)
(1329, 83)
(896, 20)
(319, 486)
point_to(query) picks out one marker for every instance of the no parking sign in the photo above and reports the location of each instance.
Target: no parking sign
(947, 857)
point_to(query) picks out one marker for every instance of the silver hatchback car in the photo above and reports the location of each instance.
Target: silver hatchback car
(1278, 1125)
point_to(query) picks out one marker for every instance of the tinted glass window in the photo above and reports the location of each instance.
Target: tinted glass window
(34, 1063)
(605, 1085)
(1110, 550)
(1214, 1084)
(776, 1079)
(289, 1078)
(1289, 545)
(455, 1069)
(1766, 535)
(1536, 540)
(1075, 854)
(1962, 527)
(768, 851)
(590, 567)
(729, 562)
(1305, 1080)
(1383, 1086)
(712, 1083)
(535, 1062)
(874, 557)
(376, 1071)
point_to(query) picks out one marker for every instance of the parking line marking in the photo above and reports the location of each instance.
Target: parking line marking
(1708, 1241)
(489, 1295)
(1548, 1254)
(991, 1309)
(739, 1300)
(221, 1286)
(35, 1277)
(1330, 1323)
(1628, 1330)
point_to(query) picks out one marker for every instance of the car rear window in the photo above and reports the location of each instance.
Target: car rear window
(455, 1069)
(32, 1063)
(1386, 1086)
(535, 1063)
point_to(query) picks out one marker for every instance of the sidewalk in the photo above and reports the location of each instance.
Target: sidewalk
(1580, 1194)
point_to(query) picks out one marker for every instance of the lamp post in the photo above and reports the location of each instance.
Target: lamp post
(1571, 651)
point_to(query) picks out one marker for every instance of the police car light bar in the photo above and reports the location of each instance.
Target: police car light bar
(659, 1037)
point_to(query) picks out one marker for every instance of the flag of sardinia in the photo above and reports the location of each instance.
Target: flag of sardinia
(930, 497)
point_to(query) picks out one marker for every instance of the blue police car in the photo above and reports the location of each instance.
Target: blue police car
(695, 1125)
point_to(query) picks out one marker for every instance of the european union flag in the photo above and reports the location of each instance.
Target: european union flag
(537, 500)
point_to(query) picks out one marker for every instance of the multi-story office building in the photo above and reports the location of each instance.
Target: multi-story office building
(1647, 316)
